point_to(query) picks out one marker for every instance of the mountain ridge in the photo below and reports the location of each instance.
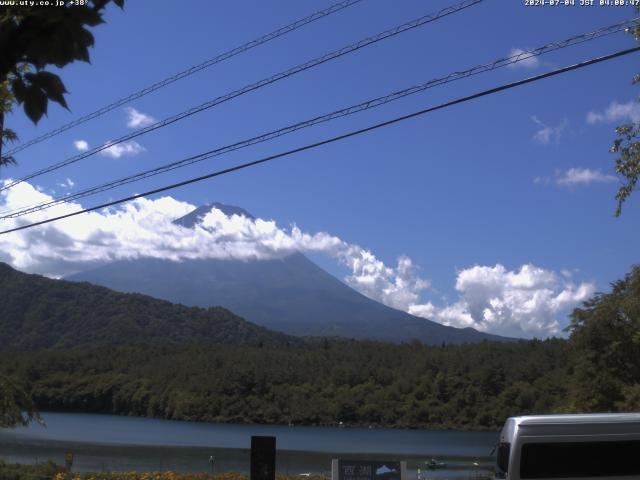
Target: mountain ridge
(39, 313)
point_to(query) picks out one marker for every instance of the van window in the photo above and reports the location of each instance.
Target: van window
(580, 459)
(502, 459)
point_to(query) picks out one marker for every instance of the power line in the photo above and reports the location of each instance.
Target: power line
(353, 133)
(190, 71)
(376, 102)
(254, 86)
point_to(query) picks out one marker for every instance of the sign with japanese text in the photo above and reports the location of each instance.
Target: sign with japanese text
(367, 470)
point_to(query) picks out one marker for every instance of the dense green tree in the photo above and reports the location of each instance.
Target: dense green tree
(6, 134)
(605, 339)
(16, 406)
(33, 38)
(627, 149)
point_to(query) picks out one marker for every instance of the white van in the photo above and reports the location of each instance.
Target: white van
(576, 447)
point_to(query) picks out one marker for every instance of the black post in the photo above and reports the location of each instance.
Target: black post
(263, 458)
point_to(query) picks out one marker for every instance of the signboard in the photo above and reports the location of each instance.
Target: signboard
(368, 470)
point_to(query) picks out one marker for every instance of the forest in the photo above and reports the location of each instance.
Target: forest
(328, 381)
(474, 386)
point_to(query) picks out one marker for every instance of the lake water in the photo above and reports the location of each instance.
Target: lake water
(115, 443)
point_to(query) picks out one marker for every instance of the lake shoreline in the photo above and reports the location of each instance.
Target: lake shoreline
(71, 446)
(362, 425)
(120, 443)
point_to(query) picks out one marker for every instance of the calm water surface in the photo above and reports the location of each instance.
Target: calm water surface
(114, 443)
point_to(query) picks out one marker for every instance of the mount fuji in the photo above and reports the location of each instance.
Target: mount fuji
(291, 294)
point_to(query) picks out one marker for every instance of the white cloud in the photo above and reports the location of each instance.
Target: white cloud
(582, 176)
(130, 148)
(547, 134)
(527, 61)
(522, 303)
(68, 183)
(616, 112)
(526, 302)
(81, 145)
(144, 228)
(425, 310)
(541, 180)
(137, 119)
(398, 287)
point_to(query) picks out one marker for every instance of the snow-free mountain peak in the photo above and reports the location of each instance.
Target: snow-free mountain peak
(191, 219)
(290, 294)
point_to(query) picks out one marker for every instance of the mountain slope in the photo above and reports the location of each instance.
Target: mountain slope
(37, 312)
(291, 294)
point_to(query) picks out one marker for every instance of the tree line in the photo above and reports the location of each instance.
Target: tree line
(474, 386)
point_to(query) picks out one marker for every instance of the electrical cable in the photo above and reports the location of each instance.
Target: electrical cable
(334, 139)
(379, 101)
(189, 71)
(254, 86)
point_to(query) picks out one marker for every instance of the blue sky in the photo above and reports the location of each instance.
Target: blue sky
(476, 184)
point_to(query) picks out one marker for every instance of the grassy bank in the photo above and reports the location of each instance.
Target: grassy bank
(28, 472)
(165, 476)
(51, 471)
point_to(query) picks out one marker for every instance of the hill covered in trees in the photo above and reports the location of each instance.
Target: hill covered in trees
(38, 313)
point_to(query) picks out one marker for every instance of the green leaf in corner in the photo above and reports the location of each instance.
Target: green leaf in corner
(19, 89)
(52, 86)
(35, 103)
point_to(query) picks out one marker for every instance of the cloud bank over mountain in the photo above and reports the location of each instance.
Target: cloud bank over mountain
(525, 302)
